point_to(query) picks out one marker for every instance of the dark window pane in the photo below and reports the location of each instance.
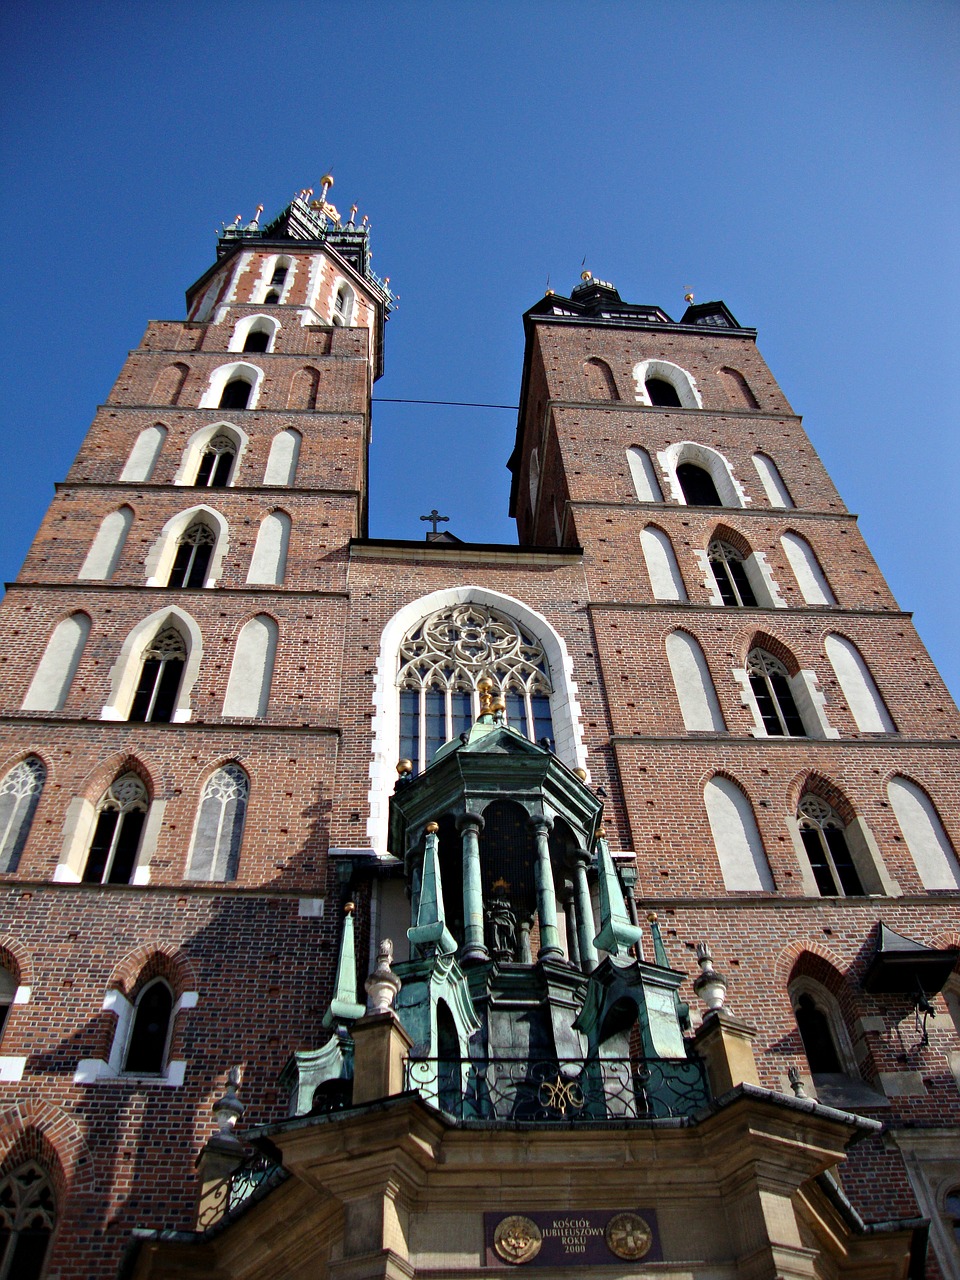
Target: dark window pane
(697, 485)
(100, 846)
(788, 708)
(279, 275)
(258, 340)
(29, 1252)
(128, 843)
(842, 860)
(662, 392)
(462, 709)
(725, 583)
(436, 722)
(148, 1039)
(767, 707)
(817, 1039)
(818, 862)
(201, 563)
(236, 394)
(542, 720)
(272, 296)
(181, 564)
(205, 469)
(410, 727)
(739, 575)
(516, 712)
(169, 687)
(221, 472)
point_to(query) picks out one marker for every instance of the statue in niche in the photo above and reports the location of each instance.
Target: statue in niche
(501, 929)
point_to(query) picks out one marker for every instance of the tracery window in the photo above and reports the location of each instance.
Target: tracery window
(770, 683)
(216, 842)
(730, 574)
(823, 833)
(116, 839)
(194, 550)
(441, 660)
(163, 663)
(19, 797)
(147, 1046)
(28, 1215)
(216, 462)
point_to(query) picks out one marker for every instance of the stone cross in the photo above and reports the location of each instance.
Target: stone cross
(436, 518)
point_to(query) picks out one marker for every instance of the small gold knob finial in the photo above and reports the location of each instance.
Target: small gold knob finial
(485, 690)
(432, 828)
(349, 908)
(652, 917)
(580, 773)
(404, 766)
(601, 832)
(586, 275)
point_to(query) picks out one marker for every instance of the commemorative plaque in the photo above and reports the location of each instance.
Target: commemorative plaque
(586, 1237)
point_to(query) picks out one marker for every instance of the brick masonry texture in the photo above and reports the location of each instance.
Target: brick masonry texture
(122, 1151)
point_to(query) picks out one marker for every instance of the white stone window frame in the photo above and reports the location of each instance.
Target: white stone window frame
(102, 1071)
(125, 673)
(262, 285)
(79, 823)
(682, 382)
(159, 559)
(186, 473)
(807, 694)
(730, 491)
(12, 1065)
(758, 572)
(564, 702)
(260, 323)
(225, 373)
(343, 317)
(864, 851)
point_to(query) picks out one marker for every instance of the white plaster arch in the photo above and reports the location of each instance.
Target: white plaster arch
(564, 702)
(645, 483)
(773, 486)
(186, 473)
(54, 674)
(694, 684)
(807, 569)
(743, 861)
(144, 454)
(661, 561)
(729, 489)
(125, 672)
(858, 686)
(344, 302)
(284, 457)
(929, 845)
(224, 374)
(160, 557)
(269, 561)
(682, 382)
(101, 560)
(251, 671)
(262, 324)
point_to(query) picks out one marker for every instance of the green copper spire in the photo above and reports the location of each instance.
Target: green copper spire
(617, 935)
(430, 934)
(344, 1006)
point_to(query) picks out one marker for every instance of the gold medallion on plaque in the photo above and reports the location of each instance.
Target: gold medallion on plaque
(628, 1235)
(517, 1239)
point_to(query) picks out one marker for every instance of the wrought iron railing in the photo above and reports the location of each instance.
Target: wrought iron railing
(560, 1091)
(230, 1193)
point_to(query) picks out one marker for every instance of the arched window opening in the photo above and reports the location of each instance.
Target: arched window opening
(104, 554)
(257, 340)
(269, 562)
(216, 462)
(216, 843)
(861, 693)
(28, 1215)
(441, 660)
(697, 486)
(144, 454)
(343, 305)
(823, 833)
(951, 1214)
(163, 662)
(251, 672)
(730, 575)
(303, 389)
(738, 389)
(236, 394)
(19, 796)
(147, 1047)
(284, 455)
(170, 384)
(279, 277)
(817, 1036)
(116, 838)
(448, 1060)
(770, 682)
(52, 680)
(663, 393)
(271, 298)
(192, 561)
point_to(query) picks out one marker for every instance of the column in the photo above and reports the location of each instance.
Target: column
(586, 926)
(546, 894)
(573, 941)
(474, 949)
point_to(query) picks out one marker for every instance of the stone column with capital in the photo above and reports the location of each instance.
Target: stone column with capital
(546, 893)
(586, 925)
(474, 948)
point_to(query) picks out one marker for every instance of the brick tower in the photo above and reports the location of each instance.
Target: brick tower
(204, 839)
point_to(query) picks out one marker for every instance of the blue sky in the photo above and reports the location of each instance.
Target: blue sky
(798, 161)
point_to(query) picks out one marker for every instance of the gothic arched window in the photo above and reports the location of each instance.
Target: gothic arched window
(664, 393)
(272, 297)
(19, 797)
(28, 1215)
(258, 340)
(823, 833)
(730, 574)
(194, 550)
(343, 305)
(770, 683)
(817, 1036)
(441, 660)
(697, 484)
(147, 1047)
(216, 841)
(236, 394)
(116, 838)
(216, 462)
(163, 663)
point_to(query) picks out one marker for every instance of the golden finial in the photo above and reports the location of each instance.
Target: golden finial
(432, 828)
(652, 917)
(601, 832)
(404, 766)
(586, 275)
(580, 773)
(326, 181)
(498, 703)
(349, 908)
(485, 690)
(688, 296)
(549, 293)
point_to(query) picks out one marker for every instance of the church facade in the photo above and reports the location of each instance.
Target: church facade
(659, 809)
